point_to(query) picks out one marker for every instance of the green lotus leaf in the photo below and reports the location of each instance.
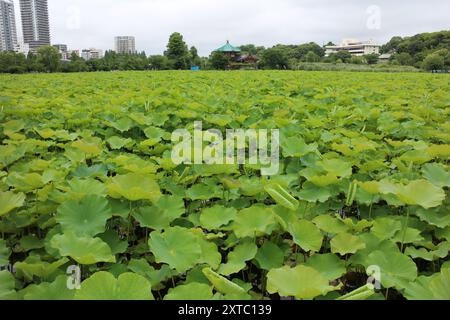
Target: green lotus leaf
(30, 242)
(419, 289)
(421, 193)
(7, 286)
(90, 146)
(104, 286)
(410, 235)
(337, 167)
(443, 233)
(372, 243)
(345, 243)
(217, 216)
(385, 228)
(270, 256)
(253, 222)
(56, 290)
(312, 193)
(9, 201)
(80, 188)
(324, 180)
(438, 217)
(306, 235)
(221, 284)
(396, 268)
(203, 192)
(86, 217)
(297, 147)
(112, 239)
(178, 247)
(117, 143)
(134, 187)
(191, 291)
(300, 282)
(143, 268)
(5, 252)
(441, 252)
(123, 124)
(236, 260)
(436, 174)
(282, 196)
(329, 265)
(33, 266)
(440, 285)
(330, 224)
(83, 250)
(161, 214)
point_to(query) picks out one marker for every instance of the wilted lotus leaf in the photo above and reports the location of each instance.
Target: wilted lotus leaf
(83, 250)
(306, 235)
(191, 291)
(86, 217)
(345, 243)
(9, 201)
(104, 286)
(300, 282)
(134, 187)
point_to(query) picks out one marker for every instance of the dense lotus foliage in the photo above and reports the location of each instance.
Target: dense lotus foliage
(86, 180)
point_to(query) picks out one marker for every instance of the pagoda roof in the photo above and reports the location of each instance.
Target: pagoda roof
(228, 48)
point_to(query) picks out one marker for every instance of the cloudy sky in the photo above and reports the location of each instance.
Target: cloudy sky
(207, 24)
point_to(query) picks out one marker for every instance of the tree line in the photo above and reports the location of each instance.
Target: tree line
(429, 51)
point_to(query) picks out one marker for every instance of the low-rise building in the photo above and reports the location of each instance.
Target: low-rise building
(89, 54)
(354, 47)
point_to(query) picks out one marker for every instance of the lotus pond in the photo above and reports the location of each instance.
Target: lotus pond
(93, 207)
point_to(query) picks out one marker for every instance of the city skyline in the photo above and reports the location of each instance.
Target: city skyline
(81, 24)
(8, 34)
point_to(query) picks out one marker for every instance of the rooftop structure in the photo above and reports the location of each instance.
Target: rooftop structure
(354, 47)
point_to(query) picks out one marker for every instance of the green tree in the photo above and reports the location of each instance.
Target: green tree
(392, 45)
(433, 62)
(371, 58)
(194, 57)
(49, 57)
(356, 60)
(177, 51)
(344, 56)
(274, 58)
(404, 59)
(219, 61)
(311, 56)
(159, 62)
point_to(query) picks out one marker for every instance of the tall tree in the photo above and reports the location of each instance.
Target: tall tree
(49, 57)
(177, 51)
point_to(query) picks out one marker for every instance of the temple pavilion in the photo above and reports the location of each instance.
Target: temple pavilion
(237, 59)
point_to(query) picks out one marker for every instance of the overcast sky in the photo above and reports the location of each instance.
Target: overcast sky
(207, 24)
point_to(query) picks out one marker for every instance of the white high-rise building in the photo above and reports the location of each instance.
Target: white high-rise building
(8, 34)
(35, 23)
(125, 45)
(92, 53)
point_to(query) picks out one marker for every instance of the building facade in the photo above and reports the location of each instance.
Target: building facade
(35, 23)
(354, 47)
(125, 45)
(8, 35)
(89, 54)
